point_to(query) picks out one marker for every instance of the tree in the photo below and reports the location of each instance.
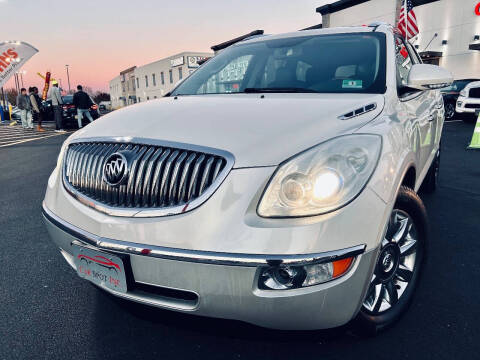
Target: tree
(11, 95)
(88, 90)
(101, 96)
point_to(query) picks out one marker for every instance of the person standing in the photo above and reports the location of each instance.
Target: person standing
(23, 103)
(57, 102)
(39, 101)
(36, 105)
(83, 103)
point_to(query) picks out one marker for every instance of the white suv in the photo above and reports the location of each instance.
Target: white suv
(275, 185)
(468, 101)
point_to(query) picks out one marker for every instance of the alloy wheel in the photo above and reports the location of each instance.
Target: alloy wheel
(395, 266)
(449, 111)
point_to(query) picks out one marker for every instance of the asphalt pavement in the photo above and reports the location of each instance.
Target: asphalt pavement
(16, 134)
(47, 312)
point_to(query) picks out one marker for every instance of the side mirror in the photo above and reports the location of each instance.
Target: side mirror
(428, 77)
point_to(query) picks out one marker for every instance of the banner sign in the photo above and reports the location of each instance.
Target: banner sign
(176, 62)
(47, 85)
(193, 61)
(13, 55)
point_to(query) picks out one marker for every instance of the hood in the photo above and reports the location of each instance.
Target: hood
(257, 131)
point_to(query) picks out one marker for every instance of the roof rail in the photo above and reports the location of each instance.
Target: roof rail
(236, 40)
(314, 27)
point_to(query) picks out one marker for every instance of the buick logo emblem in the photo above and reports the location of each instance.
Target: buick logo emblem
(115, 169)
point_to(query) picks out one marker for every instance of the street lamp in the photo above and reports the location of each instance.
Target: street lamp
(68, 77)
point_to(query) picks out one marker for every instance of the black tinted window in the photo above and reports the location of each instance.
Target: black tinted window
(67, 99)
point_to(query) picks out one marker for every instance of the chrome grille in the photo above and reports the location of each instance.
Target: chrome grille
(159, 177)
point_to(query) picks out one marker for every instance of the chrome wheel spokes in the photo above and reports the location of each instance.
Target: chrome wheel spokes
(395, 264)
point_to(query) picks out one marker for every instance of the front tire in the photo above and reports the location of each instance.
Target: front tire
(449, 111)
(398, 267)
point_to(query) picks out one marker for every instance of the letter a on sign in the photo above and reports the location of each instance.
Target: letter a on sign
(13, 55)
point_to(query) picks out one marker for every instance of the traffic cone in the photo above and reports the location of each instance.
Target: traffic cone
(475, 143)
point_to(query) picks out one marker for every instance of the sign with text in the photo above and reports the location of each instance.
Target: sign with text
(192, 61)
(176, 62)
(13, 55)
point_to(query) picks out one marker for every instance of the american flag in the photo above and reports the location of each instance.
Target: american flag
(408, 28)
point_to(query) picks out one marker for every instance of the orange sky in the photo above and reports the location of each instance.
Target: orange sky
(98, 39)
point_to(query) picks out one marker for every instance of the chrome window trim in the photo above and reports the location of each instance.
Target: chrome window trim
(149, 212)
(207, 257)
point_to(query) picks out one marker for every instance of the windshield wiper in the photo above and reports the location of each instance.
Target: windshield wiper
(279, 90)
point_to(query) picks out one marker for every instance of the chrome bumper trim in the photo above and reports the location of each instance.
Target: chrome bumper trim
(209, 257)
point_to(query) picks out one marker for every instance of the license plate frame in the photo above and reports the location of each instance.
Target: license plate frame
(101, 268)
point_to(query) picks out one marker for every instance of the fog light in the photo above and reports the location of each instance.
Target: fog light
(292, 277)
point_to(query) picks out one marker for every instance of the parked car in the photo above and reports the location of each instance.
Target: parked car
(468, 103)
(451, 94)
(69, 112)
(276, 185)
(15, 113)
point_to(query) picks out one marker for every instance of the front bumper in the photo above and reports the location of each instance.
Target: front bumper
(225, 285)
(467, 105)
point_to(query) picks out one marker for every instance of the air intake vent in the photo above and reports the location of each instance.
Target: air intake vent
(358, 112)
(131, 179)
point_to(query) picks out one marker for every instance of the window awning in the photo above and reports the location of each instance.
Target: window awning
(475, 46)
(425, 55)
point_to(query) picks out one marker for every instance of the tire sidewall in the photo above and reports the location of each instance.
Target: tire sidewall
(409, 202)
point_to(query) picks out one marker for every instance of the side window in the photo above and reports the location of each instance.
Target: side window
(403, 61)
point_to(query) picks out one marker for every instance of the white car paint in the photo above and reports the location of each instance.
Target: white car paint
(464, 99)
(261, 133)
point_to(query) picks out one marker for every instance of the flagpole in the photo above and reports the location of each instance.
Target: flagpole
(405, 9)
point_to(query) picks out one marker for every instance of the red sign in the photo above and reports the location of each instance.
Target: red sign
(477, 9)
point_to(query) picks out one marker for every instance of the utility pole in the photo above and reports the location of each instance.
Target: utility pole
(68, 78)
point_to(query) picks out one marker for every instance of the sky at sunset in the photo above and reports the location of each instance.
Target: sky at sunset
(98, 39)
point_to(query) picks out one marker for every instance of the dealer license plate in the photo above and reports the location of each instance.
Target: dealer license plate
(101, 268)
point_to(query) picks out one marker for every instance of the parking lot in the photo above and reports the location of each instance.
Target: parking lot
(47, 312)
(12, 135)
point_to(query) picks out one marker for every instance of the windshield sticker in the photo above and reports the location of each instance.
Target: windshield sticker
(352, 84)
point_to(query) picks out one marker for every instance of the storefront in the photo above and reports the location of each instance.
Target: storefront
(449, 29)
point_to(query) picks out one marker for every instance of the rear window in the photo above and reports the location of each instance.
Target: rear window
(68, 99)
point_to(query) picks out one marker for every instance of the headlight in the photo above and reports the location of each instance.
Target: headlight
(323, 178)
(463, 93)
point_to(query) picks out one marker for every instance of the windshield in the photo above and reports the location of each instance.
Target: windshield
(68, 99)
(340, 63)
